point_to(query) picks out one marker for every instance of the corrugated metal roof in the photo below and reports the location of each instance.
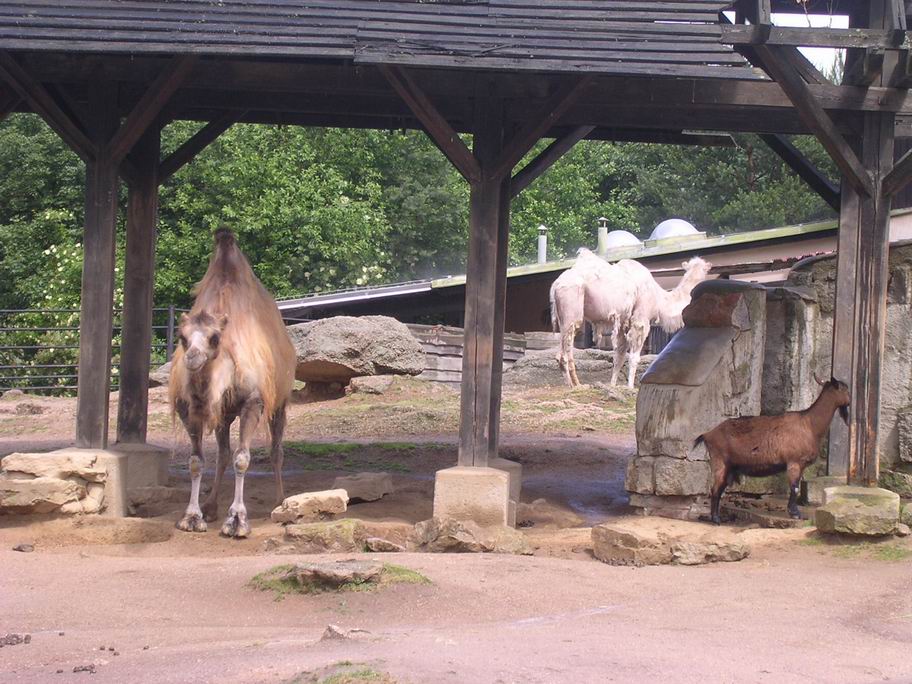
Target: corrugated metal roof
(649, 37)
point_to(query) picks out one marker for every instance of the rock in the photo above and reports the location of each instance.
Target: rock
(334, 574)
(365, 486)
(379, 545)
(540, 369)
(465, 536)
(38, 495)
(896, 481)
(372, 384)
(866, 511)
(651, 541)
(59, 465)
(342, 347)
(160, 376)
(333, 632)
(906, 516)
(155, 494)
(27, 409)
(93, 501)
(680, 477)
(311, 506)
(13, 395)
(904, 430)
(337, 536)
(903, 530)
(13, 639)
(24, 548)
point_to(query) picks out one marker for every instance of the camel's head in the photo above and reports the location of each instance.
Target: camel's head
(696, 269)
(200, 338)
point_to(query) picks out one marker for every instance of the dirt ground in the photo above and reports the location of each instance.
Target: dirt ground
(175, 607)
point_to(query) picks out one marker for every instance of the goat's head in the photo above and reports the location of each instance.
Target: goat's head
(200, 337)
(840, 394)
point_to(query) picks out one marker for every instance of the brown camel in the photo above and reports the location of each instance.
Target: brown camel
(234, 361)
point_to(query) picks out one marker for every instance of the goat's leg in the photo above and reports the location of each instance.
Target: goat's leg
(193, 516)
(794, 476)
(721, 479)
(276, 453)
(236, 524)
(223, 437)
(636, 338)
(618, 347)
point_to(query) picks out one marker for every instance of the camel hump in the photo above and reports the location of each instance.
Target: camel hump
(224, 237)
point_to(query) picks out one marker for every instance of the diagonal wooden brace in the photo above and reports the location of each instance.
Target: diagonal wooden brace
(535, 168)
(435, 124)
(899, 176)
(780, 65)
(196, 144)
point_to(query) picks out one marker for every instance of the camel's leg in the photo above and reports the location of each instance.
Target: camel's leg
(236, 524)
(223, 437)
(619, 348)
(571, 362)
(565, 356)
(193, 516)
(636, 338)
(276, 454)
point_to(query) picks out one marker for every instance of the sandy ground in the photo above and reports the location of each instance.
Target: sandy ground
(176, 607)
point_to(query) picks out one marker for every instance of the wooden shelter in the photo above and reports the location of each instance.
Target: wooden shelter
(107, 75)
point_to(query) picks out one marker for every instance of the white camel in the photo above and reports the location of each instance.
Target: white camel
(622, 297)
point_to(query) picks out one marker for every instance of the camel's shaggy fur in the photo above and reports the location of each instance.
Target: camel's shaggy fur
(622, 297)
(235, 360)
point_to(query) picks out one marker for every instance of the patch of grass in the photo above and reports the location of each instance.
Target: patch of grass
(344, 672)
(812, 541)
(846, 548)
(281, 583)
(890, 552)
(318, 449)
(396, 446)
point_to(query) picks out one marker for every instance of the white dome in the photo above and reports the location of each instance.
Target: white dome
(674, 227)
(621, 238)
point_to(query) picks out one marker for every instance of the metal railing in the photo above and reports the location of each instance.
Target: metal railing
(39, 348)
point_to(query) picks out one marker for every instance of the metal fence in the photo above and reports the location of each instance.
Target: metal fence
(39, 348)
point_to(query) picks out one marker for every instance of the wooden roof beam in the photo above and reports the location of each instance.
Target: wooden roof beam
(557, 149)
(801, 165)
(902, 72)
(8, 103)
(867, 69)
(539, 124)
(196, 144)
(781, 66)
(150, 105)
(442, 133)
(741, 34)
(42, 103)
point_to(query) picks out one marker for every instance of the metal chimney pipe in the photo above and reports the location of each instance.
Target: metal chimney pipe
(602, 247)
(542, 244)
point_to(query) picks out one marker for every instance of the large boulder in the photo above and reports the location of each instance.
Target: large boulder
(160, 376)
(862, 511)
(652, 541)
(60, 465)
(343, 347)
(311, 506)
(39, 494)
(540, 368)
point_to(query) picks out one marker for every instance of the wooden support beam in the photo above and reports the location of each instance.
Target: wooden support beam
(557, 149)
(97, 302)
(443, 134)
(196, 144)
(500, 314)
(867, 69)
(8, 104)
(150, 105)
(815, 118)
(902, 74)
(816, 37)
(485, 223)
(539, 124)
(139, 281)
(801, 165)
(899, 176)
(41, 102)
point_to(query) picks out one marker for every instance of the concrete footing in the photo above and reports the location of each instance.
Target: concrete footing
(514, 471)
(481, 495)
(147, 464)
(115, 494)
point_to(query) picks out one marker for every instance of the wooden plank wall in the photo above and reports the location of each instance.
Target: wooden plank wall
(443, 351)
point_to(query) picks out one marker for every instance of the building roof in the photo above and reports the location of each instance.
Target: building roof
(642, 37)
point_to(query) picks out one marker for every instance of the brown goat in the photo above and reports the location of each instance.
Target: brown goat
(766, 445)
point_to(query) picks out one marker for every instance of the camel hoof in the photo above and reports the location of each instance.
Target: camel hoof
(235, 527)
(795, 515)
(192, 523)
(210, 512)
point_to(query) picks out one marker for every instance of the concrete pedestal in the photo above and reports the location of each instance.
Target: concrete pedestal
(147, 464)
(514, 471)
(481, 495)
(115, 493)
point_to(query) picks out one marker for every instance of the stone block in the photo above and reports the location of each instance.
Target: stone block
(640, 476)
(651, 542)
(866, 511)
(814, 487)
(61, 464)
(38, 494)
(481, 495)
(677, 477)
(336, 536)
(772, 484)
(904, 431)
(677, 507)
(466, 536)
(365, 486)
(147, 464)
(896, 481)
(311, 506)
(906, 515)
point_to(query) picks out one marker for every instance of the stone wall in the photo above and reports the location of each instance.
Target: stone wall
(711, 370)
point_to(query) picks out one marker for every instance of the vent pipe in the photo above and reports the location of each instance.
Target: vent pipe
(542, 244)
(602, 247)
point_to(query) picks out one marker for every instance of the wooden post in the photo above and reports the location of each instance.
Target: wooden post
(139, 279)
(96, 319)
(500, 311)
(485, 212)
